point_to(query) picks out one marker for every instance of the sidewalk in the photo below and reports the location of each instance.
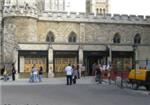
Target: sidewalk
(62, 81)
(48, 81)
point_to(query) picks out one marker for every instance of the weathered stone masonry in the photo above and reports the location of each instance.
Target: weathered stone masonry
(28, 29)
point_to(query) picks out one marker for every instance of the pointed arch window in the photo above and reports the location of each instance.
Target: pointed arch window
(116, 38)
(137, 39)
(72, 37)
(50, 37)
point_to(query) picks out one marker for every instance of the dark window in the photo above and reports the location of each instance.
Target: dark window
(116, 38)
(72, 37)
(100, 10)
(50, 37)
(137, 39)
(104, 11)
(97, 11)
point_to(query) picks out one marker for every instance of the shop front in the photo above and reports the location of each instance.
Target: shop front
(29, 58)
(62, 59)
(94, 57)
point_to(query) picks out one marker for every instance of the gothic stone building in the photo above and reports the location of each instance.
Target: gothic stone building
(53, 39)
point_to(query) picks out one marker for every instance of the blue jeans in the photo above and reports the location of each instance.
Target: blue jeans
(35, 78)
(40, 78)
(31, 78)
(69, 79)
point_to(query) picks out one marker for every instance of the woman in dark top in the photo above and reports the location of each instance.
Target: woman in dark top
(40, 74)
(13, 72)
(98, 74)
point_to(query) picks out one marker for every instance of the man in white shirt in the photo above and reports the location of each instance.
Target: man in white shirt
(69, 71)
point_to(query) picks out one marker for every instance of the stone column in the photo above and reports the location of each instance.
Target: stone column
(16, 62)
(81, 40)
(80, 55)
(80, 59)
(109, 59)
(136, 58)
(50, 63)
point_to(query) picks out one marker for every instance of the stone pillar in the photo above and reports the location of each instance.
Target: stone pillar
(50, 63)
(16, 62)
(80, 56)
(109, 59)
(80, 59)
(136, 58)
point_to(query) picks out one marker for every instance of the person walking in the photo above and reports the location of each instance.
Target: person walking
(69, 71)
(31, 76)
(13, 72)
(75, 74)
(79, 71)
(40, 73)
(5, 75)
(2, 73)
(98, 74)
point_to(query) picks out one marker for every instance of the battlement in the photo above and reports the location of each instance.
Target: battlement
(14, 10)
(83, 17)
(29, 11)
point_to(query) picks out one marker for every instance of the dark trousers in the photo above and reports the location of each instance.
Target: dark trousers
(74, 79)
(98, 78)
(69, 79)
(13, 77)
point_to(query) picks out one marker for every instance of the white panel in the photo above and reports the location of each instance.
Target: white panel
(22, 64)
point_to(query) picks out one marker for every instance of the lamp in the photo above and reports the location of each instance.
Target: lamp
(135, 61)
(134, 50)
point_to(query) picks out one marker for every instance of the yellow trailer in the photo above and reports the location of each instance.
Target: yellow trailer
(140, 77)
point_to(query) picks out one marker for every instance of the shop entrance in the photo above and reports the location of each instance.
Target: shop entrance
(29, 58)
(93, 58)
(62, 59)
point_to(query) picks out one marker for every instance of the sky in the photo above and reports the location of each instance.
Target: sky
(135, 7)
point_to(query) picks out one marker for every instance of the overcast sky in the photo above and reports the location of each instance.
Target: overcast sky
(136, 7)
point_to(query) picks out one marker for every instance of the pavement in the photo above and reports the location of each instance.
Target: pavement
(62, 80)
(49, 81)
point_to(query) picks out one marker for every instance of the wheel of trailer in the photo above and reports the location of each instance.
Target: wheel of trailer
(135, 86)
(147, 87)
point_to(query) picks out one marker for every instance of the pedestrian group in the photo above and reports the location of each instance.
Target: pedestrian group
(36, 75)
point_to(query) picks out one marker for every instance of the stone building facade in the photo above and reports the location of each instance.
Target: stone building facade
(97, 6)
(0, 33)
(31, 36)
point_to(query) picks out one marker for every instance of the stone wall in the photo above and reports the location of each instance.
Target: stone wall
(26, 25)
(0, 34)
(104, 33)
(61, 30)
(17, 29)
(94, 32)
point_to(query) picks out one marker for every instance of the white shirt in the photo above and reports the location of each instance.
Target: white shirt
(68, 70)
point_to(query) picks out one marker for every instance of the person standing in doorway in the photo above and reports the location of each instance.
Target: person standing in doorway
(13, 72)
(69, 72)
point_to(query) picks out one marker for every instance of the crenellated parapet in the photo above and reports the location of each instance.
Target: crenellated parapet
(31, 11)
(20, 10)
(83, 17)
